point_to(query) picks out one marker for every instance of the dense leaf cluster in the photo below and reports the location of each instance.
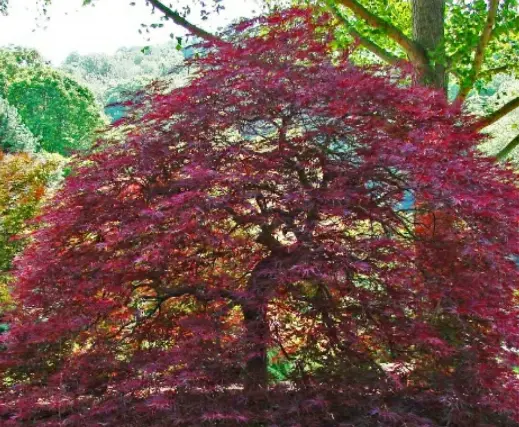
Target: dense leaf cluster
(256, 216)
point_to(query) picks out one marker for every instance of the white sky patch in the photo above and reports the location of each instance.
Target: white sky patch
(104, 27)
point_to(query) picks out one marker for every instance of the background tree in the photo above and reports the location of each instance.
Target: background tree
(28, 173)
(116, 78)
(260, 209)
(14, 135)
(59, 112)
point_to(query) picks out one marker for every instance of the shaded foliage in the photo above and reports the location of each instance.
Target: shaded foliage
(256, 212)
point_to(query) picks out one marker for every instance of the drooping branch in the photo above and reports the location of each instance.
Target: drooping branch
(484, 39)
(364, 41)
(415, 53)
(498, 114)
(183, 22)
(503, 154)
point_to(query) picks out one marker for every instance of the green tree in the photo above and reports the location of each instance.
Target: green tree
(59, 111)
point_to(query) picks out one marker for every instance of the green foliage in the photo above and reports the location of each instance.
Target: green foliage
(14, 61)
(58, 111)
(398, 12)
(279, 367)
(464, 22)
(14, 135)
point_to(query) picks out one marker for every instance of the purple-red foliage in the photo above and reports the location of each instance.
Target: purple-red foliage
(260, 208)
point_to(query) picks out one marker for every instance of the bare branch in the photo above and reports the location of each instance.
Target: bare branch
(184, 23)
(484, 39)
(498, 114)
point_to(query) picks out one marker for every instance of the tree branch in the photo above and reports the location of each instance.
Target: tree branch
(489, 72)
(484, 39)
(486, 35)
(498, 114)
(376, 49)
(364, 41)
(415, 53)
(184, 23)
(199, 292)
(503, 154)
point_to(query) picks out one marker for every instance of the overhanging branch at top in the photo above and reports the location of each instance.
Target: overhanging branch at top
(183, 22)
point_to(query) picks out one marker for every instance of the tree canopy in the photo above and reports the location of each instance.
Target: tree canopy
(58, 111)
(259, 210)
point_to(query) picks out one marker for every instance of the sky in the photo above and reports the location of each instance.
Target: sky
(104, 27)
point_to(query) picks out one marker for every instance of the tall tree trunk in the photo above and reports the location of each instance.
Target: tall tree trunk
(428, 32)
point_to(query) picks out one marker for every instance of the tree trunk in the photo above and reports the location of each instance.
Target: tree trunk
(428, 32)
(257, 327)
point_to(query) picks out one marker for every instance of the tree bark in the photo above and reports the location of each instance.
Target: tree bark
(256, 326)
(428, 32)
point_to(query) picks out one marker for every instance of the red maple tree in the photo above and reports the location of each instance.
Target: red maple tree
(255, 217)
